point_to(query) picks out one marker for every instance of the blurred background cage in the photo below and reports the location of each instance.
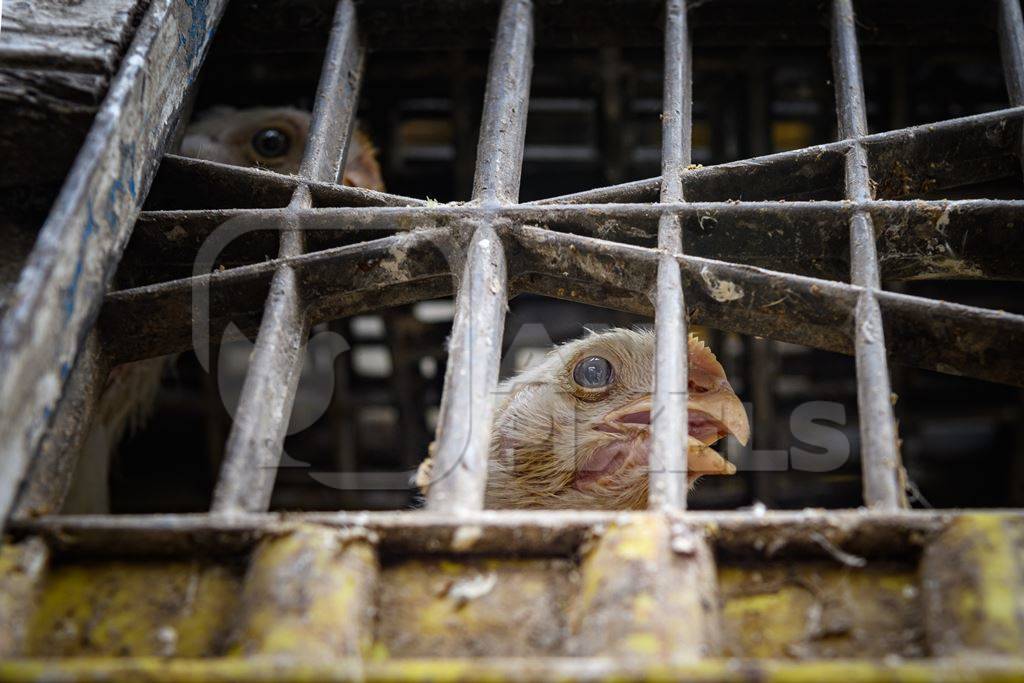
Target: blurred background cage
(762, 84)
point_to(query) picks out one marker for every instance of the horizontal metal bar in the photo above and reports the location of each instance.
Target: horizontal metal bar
(61, 287)
(668, 463)
(936, 335)
(507, 669)
(169, 317)
(185, 183)
(906, 162)
(972, 239)
(520, 532)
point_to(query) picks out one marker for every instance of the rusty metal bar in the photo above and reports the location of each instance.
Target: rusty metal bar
(257, 435)
(879, 448)
(467, 408)
(510, 669)
(669, 416)
(1011, 46)
(936, 335)
(985, 235)
(978, 148)
(187, 183)
(499, 156)
(50, 476)
(61, 287)
(516, 532)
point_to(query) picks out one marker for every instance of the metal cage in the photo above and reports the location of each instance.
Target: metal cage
(683, 246)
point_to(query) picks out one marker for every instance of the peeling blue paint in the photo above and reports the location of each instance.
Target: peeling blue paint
(124, 183)
(72, 289)
(128, 166)
(65, 370)
(194, 41)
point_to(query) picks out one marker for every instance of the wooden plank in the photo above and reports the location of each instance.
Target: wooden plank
(56, 61)
(57, 35)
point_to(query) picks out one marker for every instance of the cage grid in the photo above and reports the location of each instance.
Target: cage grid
(680, 246)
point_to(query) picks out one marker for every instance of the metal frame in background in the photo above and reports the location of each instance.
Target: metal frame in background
(590, 246)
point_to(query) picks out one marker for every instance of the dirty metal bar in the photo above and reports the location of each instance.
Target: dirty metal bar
(459, 476)
(61, 287)
(506, 669)
(334, 112)
(668, 462)
(257, 435)
(986, 237)
(158, 319)
(52, 471)
(983, 147)
(652, 593)
(1011, 46)
(323, 611)
(937, 335)
(777, 534)
(187, 183)
(260, 424)
(23, 569)
(499, 158)
(992, 230)
(879, 449)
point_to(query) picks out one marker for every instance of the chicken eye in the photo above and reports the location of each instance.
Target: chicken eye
(593, 373)
(271, 143)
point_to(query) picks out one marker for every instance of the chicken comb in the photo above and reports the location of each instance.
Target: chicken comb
(704, 365)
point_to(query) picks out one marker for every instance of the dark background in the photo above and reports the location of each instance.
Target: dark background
(761, 84)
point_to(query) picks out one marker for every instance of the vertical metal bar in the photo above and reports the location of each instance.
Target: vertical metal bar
(334, 112)
(880, 457)
(257, 435)
(763, 352)
(1011, 46)
(61, 287)
(467, 410)
(499, 156)
(669, 422)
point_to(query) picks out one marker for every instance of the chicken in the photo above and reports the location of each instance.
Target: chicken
(271, 138)
(574, 431)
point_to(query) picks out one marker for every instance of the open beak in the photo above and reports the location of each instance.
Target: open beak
(712, 414)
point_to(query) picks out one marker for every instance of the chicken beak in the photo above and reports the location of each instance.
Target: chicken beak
(702, 459)
(713, 396)
(725, 411)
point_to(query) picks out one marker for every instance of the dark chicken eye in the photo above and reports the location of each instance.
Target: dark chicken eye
(271, 143)
(592, 373)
